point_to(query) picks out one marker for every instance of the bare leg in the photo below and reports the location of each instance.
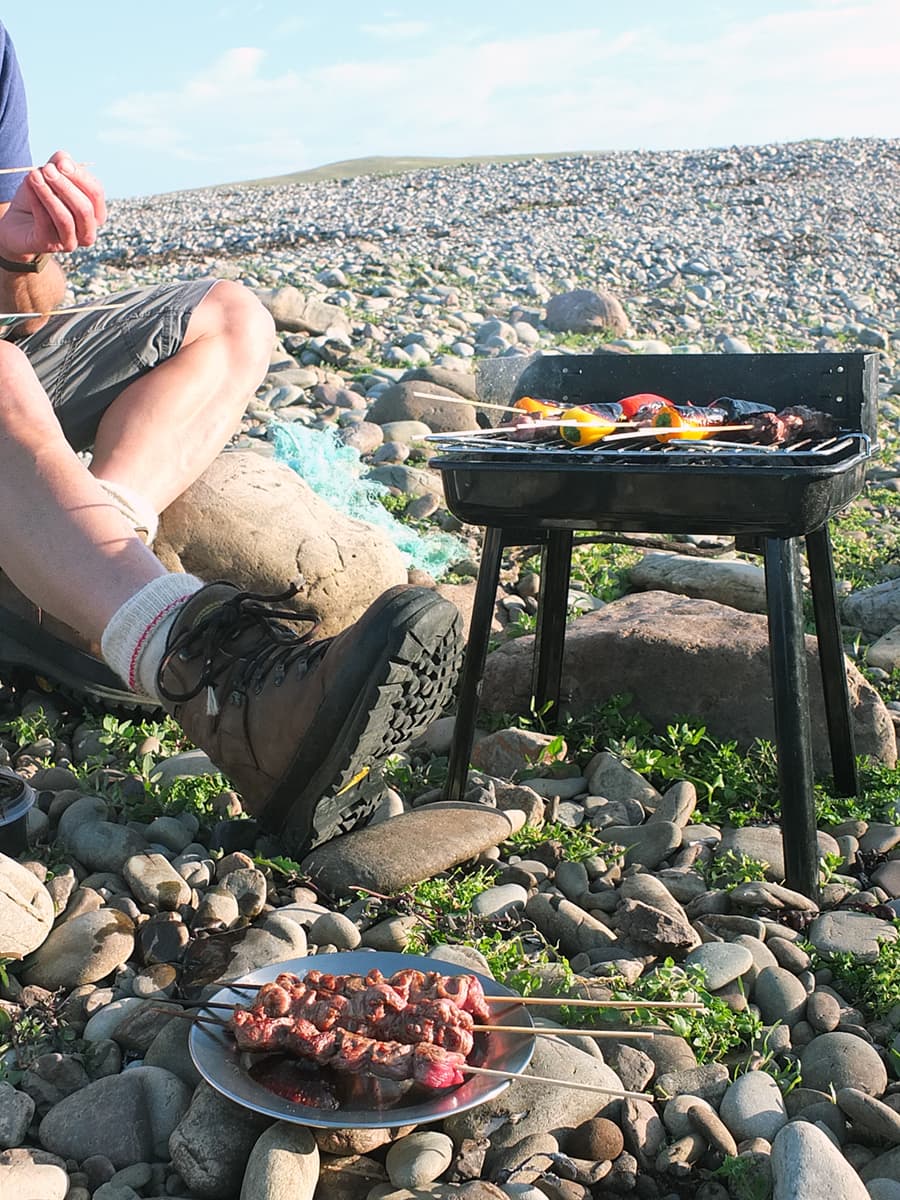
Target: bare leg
(167, 427)
(63, 543)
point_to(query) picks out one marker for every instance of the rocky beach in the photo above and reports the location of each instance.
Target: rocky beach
(629, 851)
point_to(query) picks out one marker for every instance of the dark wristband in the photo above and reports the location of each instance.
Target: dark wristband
(25, 268)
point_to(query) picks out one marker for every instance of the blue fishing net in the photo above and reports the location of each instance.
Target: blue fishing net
(334, 472)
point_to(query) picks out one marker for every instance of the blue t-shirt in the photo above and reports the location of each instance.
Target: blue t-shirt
(14, 148)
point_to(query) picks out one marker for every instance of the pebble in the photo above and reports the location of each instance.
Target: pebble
(780, 996)
(82, 950)
(841, 1060)
(753, 1107)
(154, 881)
(806, 1165)
(283, 1165)
(419, 1159)
(721, 962)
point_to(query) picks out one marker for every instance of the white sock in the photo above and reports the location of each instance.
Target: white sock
(135, 508)
(134, 641)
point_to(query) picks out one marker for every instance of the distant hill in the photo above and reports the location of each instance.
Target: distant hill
(350, 168)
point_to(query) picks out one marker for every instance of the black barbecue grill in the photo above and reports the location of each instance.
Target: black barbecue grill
(768, 497)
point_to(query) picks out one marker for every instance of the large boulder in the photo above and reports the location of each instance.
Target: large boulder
(295, 312)
(586, 311)
(684, 657)
(26, 910)
(258, 524)
(441, 409)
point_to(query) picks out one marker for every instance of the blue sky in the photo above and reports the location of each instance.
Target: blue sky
(211, 91)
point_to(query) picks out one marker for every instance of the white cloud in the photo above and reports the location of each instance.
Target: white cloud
(823, 68)
(396, 30)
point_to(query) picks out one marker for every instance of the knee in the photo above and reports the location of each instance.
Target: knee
(239, 317)
(21, 395)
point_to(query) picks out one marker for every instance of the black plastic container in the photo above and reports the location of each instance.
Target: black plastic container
(16, 800)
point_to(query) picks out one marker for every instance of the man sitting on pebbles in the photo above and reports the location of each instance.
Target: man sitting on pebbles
(155, 385)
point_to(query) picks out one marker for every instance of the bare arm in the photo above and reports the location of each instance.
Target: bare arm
(57, 208)
(31, 293)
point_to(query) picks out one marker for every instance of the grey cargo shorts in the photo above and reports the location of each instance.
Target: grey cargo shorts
(84, 360)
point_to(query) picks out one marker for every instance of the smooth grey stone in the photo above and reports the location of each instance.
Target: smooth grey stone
(154, 881)
(572, 880)
(26, 910)
(645, 845)
(334, 929)
(722, 962)
(780, 996)
(169, 832)
(823, 1011)
(806, 1165)
(675, 1114)
(870, 1114)
(127, 1117)
(753, 1107)
(212, 1142)
(788, 954)
(546, 1108)
(16, 1111)
(418, 1159)
(841, 1060)
(707, 1082)
(283, 1164)
(847, 932)
(500, 900)
(248, 886)
(82, 950)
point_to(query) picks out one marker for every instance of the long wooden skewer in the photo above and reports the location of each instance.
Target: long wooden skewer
(578, 1003)
(33, 167)
(538, 1032)
(683, 1005)
(511, 408)
(474, 403)
(52, 312)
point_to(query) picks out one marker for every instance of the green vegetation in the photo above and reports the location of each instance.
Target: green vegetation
(714, 1031)
(734, 786)
(873, 987)
(23, 730)
(728, 868)
(575, 845)
(745, 1178)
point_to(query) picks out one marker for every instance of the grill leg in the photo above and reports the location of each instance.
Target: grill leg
(473, 664)
(546, 678)
(831, 660)
(787, 652)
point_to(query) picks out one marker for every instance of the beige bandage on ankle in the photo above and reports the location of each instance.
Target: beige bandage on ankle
(134, 507)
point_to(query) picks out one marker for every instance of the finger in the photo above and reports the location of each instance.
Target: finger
(87, 183)
(83, 179)
(71, 209)
(54, 220)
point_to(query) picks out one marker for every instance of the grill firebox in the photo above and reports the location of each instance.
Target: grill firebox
(769, 497)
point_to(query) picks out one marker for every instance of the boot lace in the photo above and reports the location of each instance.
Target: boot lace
(277, 650)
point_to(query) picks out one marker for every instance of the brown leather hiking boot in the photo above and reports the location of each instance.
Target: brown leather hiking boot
(301, 727)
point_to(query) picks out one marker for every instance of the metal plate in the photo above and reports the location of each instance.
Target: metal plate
(219, 1062)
